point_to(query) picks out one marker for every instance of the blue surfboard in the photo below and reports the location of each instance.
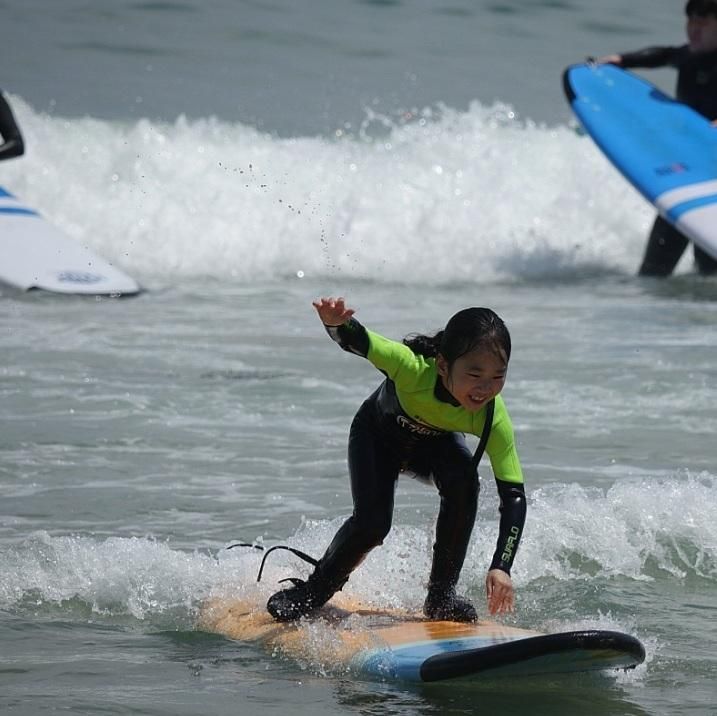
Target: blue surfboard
(665, 149)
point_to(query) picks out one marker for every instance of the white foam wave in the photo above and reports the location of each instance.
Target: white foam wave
(445, 196)
(639, 530)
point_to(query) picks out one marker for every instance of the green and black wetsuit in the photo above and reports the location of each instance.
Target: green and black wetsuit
(697, 88)
(412, 423)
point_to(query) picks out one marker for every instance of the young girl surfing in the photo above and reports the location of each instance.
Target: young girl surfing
(436, 388)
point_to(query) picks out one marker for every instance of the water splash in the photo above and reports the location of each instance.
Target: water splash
(637, 529)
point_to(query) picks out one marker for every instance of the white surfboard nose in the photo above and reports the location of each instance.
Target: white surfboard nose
(36, 255)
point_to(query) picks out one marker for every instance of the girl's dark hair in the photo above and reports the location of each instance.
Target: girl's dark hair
(468, 330)
(701, 8)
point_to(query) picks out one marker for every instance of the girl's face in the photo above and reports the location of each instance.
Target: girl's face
(475, 378)
(702, 33)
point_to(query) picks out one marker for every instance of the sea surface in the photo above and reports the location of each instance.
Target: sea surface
(240, 159)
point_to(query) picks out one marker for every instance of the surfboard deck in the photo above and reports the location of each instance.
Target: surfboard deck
(665, 149)
(400, 646)
(36, 255)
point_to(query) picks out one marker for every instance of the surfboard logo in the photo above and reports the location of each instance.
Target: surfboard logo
(674, 168)
(82, 277)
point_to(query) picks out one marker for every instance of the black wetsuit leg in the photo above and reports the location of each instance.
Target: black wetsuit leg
(706, 265)
(450, 463)
(664, 249)
(12, 145)
(374, 469)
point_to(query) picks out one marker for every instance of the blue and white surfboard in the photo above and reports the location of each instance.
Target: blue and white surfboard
(36, 255)
(396, 646)
(665, 149)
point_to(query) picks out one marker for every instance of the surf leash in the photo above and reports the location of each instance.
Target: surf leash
(293, 550)
(246, 544)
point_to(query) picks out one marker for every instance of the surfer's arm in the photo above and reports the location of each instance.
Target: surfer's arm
(395, 360)
(512, 519)
(509, 480)
(499, 585)
(12, 145)
(649, 58)
(351, 336)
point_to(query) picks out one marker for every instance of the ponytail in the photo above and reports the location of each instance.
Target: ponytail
(426, 346)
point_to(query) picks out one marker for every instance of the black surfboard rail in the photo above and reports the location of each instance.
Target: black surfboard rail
(472, 661)
(567, 87)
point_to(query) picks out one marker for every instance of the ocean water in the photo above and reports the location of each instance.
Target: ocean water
(240, 159)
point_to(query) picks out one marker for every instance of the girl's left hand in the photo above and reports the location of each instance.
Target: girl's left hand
(499, 590)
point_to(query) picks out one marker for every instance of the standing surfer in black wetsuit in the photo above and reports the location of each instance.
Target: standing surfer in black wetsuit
(12, 145)
(696, 64)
